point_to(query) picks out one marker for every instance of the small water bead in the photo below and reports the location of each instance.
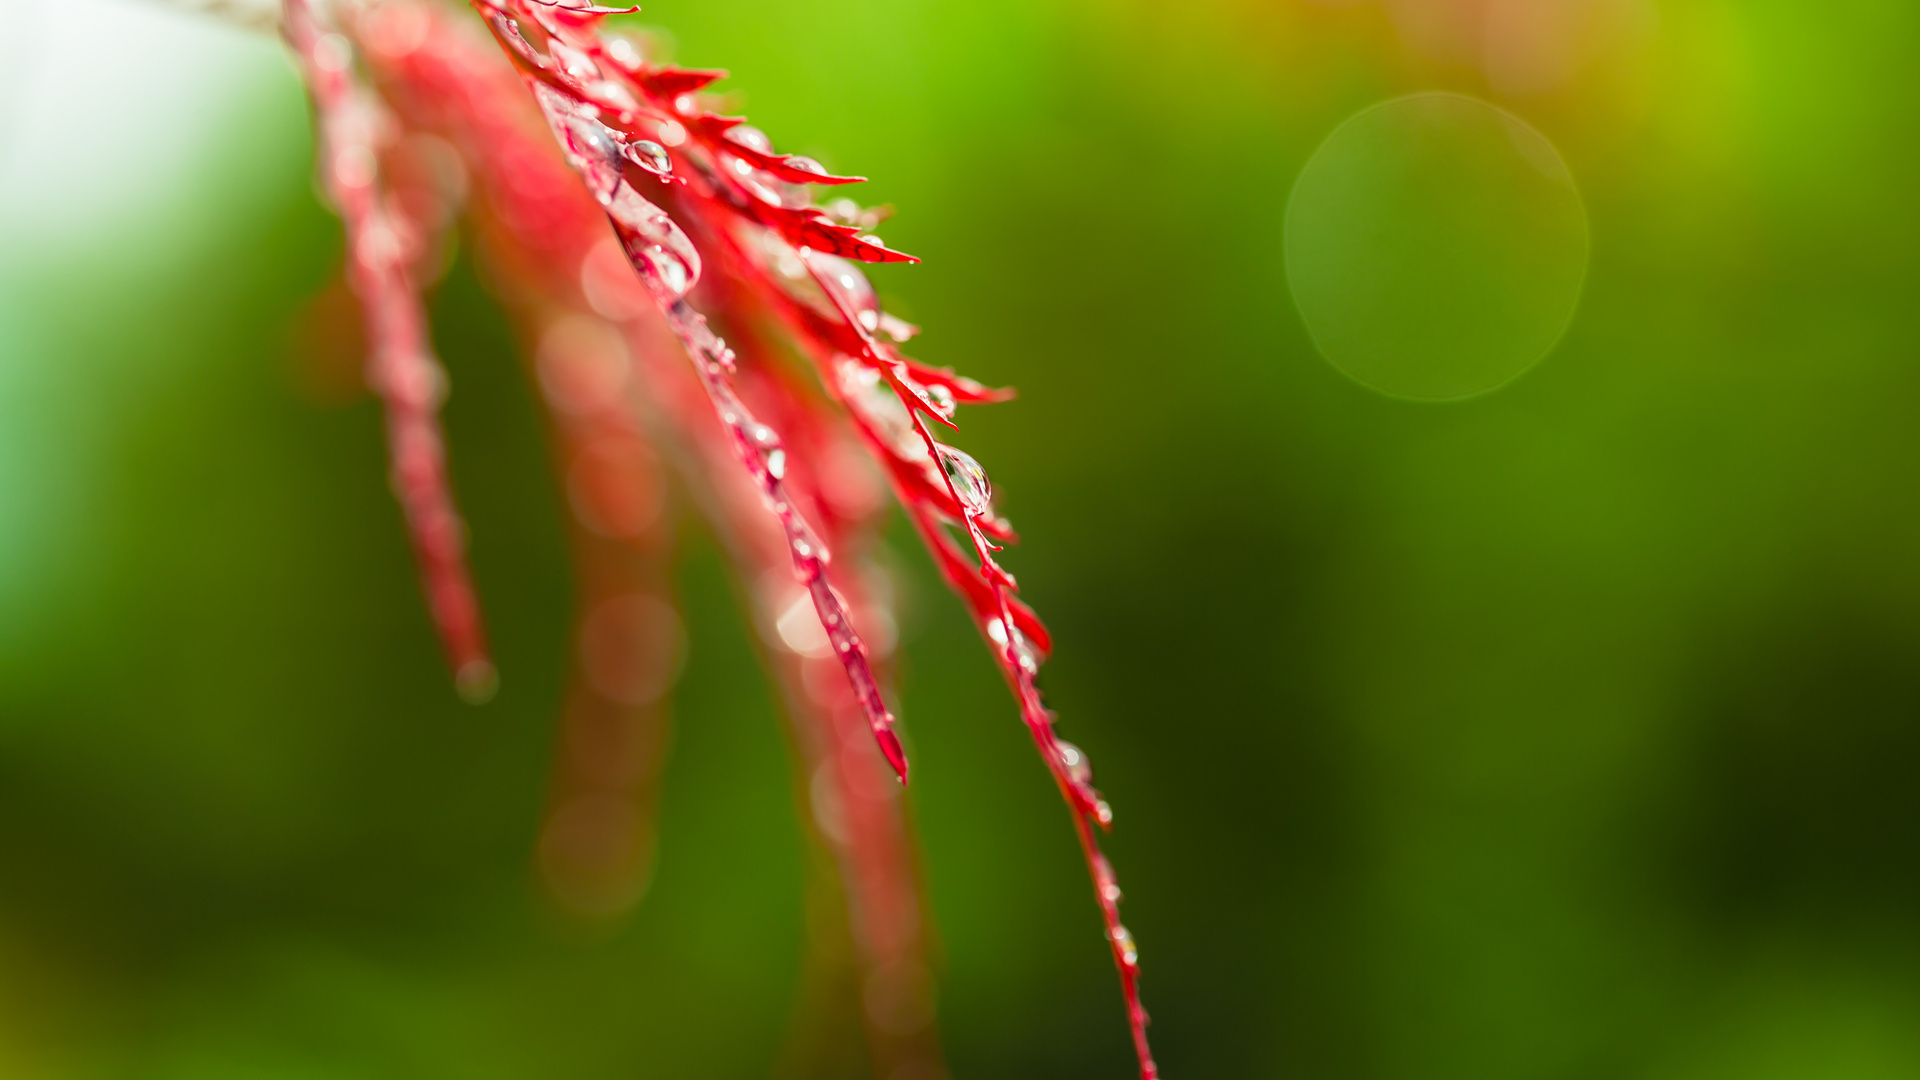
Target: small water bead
(613, 94)
(942, 399)
(1107, 883)
(650, 156)
(355, 166)
(477, 681)
(332, 52)
(592, 148)
(849, 286)
(1124, 944)
(897, 328)
(596, 152)
(671, 132)
(665, 273)
(790, 270)
(660, 250)
(1075, 759)
(572, 60)
(750, 137)
(777, 464)
(806, 165)
(1022, 648)
(847, 212)
(882, 408)
(969, 480)
(623, 51)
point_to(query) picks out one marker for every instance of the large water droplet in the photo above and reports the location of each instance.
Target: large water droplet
(1108, 884)
(572, 60)
(1023, 649)
(882, 408)
(942, 399)
(1075, 759)
(666, 259)
(477, 681)
(848, 285)
(592, 148)
(666, 274)
(595, 151)
(650, 156)
(969, 481)
(750, 137)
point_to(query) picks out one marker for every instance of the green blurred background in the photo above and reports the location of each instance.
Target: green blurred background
(1569, 731)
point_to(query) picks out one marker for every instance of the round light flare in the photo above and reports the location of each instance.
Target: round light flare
(1435, 246)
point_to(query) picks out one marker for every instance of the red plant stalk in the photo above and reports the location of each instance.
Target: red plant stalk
(849, 793)
(547, 240)
(626, 124)
(385, 238)
(597, 843)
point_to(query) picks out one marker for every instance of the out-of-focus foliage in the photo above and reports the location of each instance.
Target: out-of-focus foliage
(1566, 731)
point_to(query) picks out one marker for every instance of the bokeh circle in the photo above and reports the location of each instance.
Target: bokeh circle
(1436, 246)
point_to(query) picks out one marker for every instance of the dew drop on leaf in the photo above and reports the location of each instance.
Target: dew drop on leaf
(1076, 762)
(750, 137)
(650, 156)
(969, 481)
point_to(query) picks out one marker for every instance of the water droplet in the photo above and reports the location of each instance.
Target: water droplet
(595, 151)
(777, 464)
(477, 681)
(592, 148)
(332, 52)
(666, 259)
(624, 51)
(613, 94)
(897, 328)
(969, 481)
(1075, 759)
(650, 156)
(765, 186)
(666, 273)
(860, 385)
(848, 285)
(1123, 944)
(671, 132)
(750, 137)
(572, 60)
(355, 166)
(1023, 649)
(942, 399)
(1107, 883)
(806, 165)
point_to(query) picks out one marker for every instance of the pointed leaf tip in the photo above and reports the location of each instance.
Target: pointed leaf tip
(585, 9)
(895, 754)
